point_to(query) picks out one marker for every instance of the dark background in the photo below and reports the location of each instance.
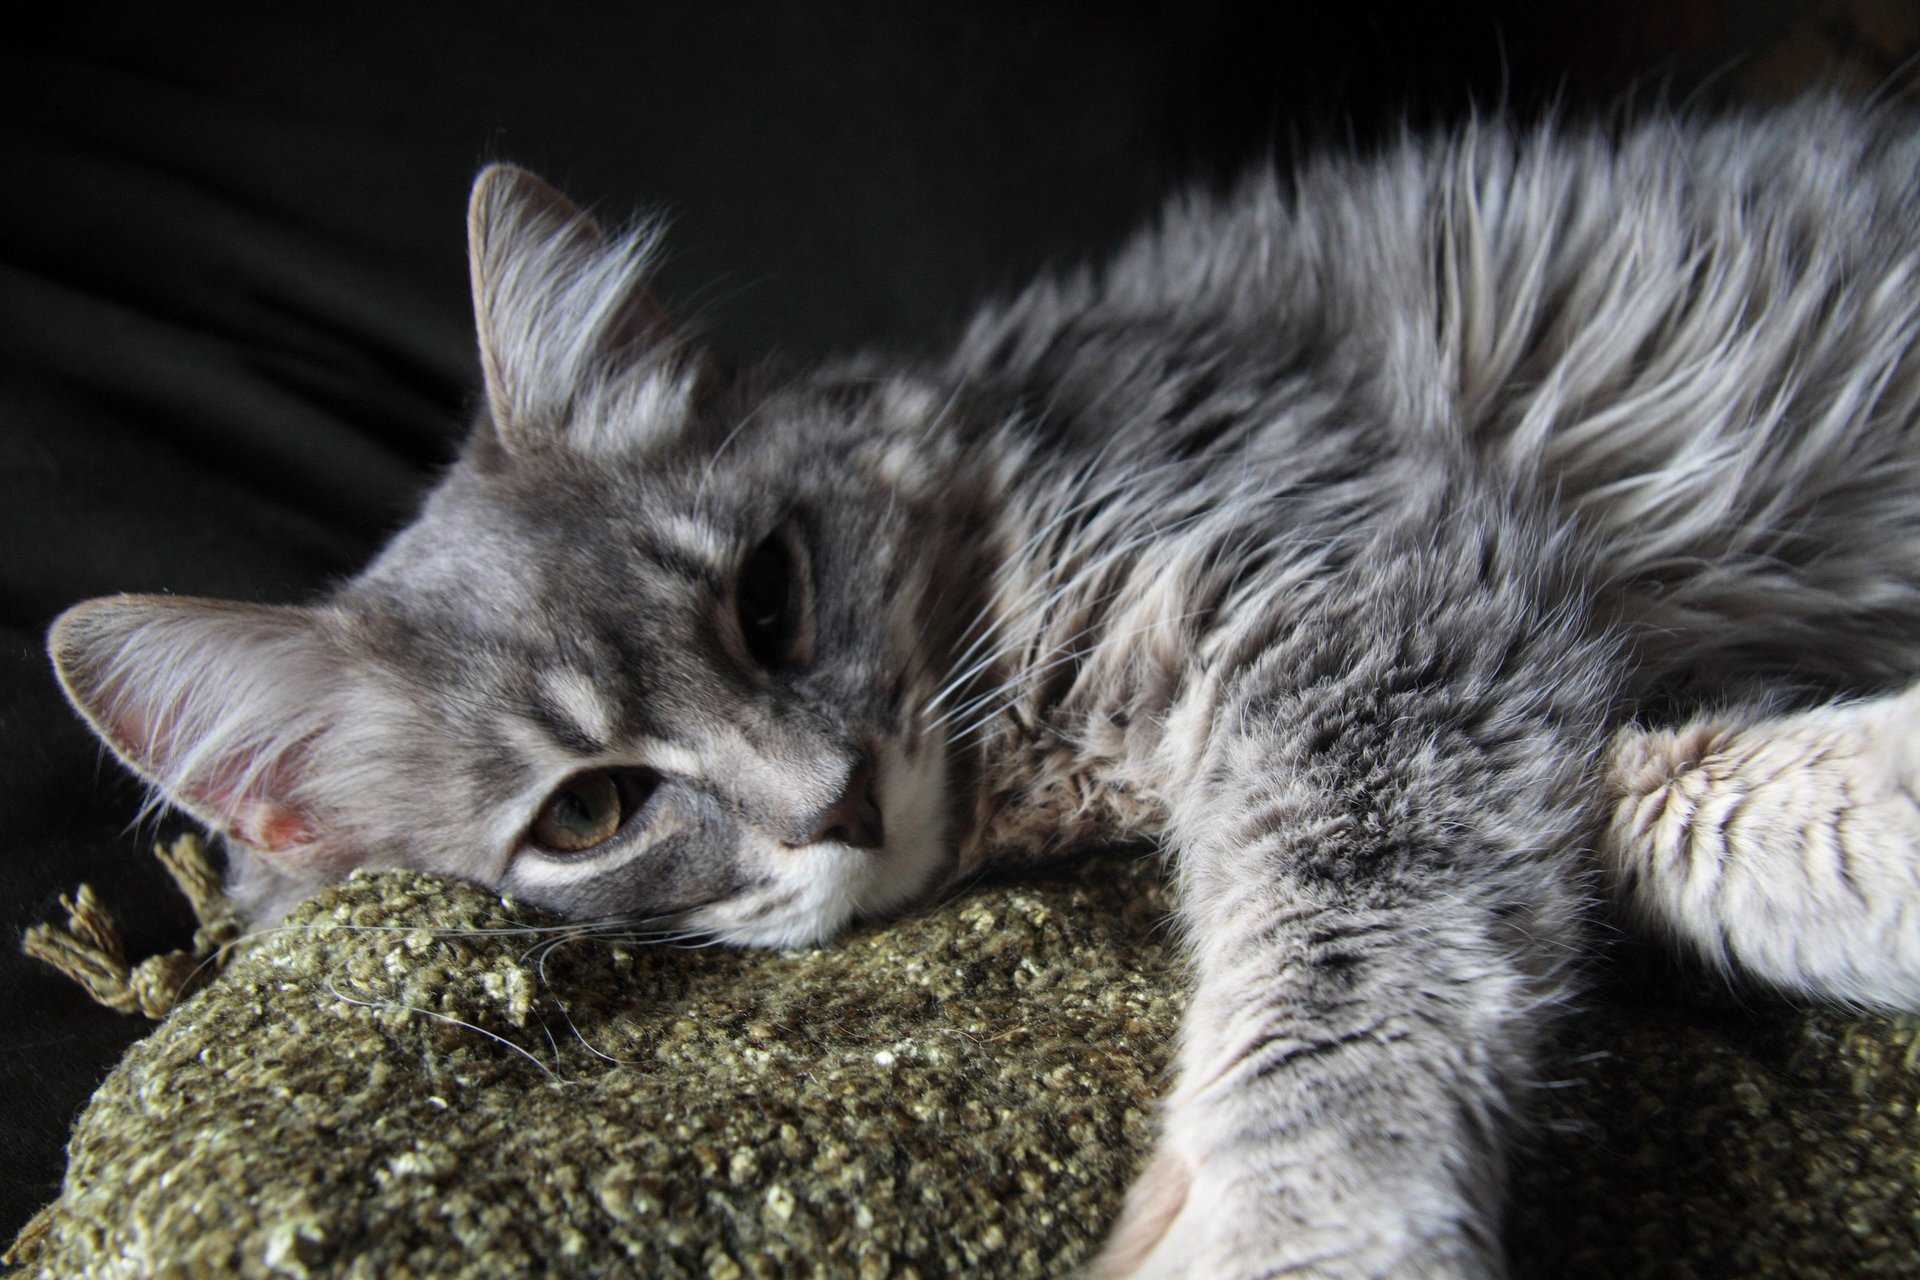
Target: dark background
(233, 319)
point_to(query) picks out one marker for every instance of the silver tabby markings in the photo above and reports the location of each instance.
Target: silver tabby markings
(1326, 537)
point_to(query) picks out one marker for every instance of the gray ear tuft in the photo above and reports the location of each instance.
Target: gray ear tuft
(561, 307)
(213, 703)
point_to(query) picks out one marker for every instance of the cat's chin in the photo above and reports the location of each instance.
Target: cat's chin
(822, 904)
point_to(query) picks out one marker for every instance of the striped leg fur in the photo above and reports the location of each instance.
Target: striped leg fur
(1783, 848)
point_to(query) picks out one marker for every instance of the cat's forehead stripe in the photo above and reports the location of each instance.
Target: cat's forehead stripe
(693, 537)
(692, 566)
(579, 717)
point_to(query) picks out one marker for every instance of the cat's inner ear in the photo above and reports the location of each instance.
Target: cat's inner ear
(561, 306)
(215, 704)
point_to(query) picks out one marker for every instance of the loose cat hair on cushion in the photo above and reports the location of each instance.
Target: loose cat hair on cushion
(1365, 537)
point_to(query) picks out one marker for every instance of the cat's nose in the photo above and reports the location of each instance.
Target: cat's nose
(853, 819)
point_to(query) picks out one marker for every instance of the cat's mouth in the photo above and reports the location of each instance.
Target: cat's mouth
(878, 846)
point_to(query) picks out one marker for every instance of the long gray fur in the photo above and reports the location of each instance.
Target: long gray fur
(1323, 537)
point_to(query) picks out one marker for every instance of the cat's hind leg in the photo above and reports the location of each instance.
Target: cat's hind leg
(1784, 847)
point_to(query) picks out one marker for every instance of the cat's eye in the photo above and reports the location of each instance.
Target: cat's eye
(770, 602)
(589, 809)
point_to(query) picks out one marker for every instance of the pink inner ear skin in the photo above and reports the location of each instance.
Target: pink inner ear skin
(282, 834)
(269, 827)
(252, 811)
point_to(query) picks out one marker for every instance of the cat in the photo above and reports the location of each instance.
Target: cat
(1363, 536)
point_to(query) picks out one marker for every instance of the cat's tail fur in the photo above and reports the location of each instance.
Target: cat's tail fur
(1784, 848)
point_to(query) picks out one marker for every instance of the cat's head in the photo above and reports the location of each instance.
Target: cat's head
(659, 646)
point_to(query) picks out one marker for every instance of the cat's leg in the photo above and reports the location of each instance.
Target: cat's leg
(1378, 865)
(1344, 1086)
(1786, 847)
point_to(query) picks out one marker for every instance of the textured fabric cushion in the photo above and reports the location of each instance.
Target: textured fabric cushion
(403, 1081)
(411, 1079)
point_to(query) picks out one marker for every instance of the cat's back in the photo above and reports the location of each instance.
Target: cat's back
(1571, 303)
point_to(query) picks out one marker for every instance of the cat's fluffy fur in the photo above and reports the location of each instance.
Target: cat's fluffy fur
(1325, 537)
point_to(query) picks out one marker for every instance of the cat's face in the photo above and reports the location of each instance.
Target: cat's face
(656, 648)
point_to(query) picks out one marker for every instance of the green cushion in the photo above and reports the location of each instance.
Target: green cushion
(410, 1079)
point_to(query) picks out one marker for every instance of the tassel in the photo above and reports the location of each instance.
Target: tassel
(89, 949)
(31, 1242)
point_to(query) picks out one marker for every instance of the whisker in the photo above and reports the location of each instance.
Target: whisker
(389, 1003)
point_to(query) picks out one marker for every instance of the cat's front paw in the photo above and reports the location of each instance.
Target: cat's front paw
(1186, 1218)
(1155, 1200)
(1180, 1224)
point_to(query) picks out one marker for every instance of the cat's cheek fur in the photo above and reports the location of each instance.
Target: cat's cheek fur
(919, 848)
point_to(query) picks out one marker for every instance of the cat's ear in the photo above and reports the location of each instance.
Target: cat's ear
(215, 704)
(559, 303)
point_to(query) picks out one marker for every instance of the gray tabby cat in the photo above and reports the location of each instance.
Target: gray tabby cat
(1324, 537)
